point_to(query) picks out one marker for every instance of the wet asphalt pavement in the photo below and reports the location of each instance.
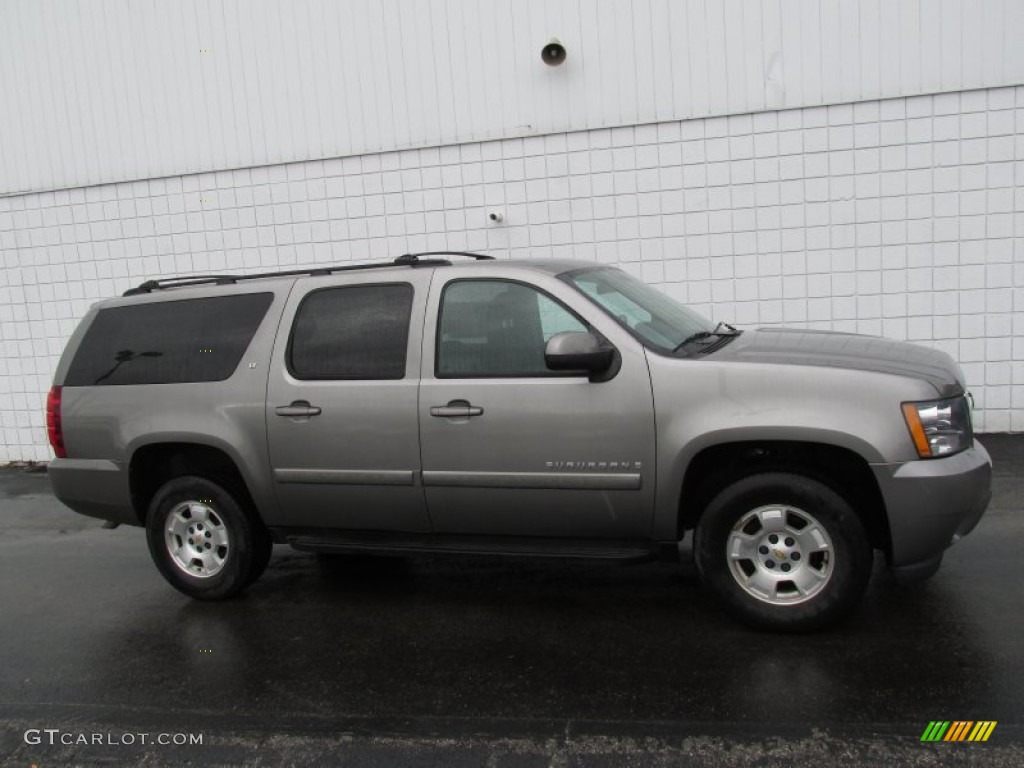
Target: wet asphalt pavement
(446, 662)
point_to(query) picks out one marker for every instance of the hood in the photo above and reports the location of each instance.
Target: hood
(791, 346)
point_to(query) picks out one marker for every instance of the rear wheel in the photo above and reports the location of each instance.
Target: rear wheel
(784, 552)
(202, 540)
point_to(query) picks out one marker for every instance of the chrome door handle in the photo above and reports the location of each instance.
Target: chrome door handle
(298, 408)
(456, 409)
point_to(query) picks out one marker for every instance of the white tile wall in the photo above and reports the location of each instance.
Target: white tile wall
(903, 217)
(164, 87)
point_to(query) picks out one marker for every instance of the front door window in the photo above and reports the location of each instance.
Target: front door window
(498, 329)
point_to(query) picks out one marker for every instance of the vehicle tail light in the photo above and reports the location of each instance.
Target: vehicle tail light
(53, 428)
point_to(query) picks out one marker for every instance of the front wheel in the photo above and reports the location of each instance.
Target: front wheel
(202, 540)
(784, 552)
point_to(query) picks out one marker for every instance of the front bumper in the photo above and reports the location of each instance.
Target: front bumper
(93, 487)
(931, 503)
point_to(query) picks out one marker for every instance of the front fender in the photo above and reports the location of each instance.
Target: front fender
(700, 403)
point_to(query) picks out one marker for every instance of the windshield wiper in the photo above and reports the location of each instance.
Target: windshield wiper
(706, 335)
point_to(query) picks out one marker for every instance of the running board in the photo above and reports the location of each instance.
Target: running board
(503, 546)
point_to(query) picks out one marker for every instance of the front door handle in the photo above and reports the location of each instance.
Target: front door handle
(458, 409)
(298, 408)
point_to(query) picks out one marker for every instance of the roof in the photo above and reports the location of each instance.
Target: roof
(406, 261)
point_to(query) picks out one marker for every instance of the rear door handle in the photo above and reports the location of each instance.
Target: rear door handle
(298, 408)
(456, 409)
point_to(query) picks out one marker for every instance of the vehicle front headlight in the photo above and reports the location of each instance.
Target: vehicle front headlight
(939, 427)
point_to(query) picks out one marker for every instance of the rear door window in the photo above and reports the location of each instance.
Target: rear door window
(352, 332)
(168, 342)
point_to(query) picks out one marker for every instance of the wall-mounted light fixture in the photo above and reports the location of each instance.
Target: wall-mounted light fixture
(553, 54)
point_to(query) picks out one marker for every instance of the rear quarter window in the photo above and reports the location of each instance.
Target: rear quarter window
(168, 342)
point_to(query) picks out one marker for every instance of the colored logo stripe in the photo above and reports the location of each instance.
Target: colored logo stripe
(982, 730)
(958, 730)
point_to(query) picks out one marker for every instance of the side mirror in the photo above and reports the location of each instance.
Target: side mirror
(579, 351)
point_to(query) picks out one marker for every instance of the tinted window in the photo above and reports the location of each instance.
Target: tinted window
(168, 342)
(498, 328)
(358, 332)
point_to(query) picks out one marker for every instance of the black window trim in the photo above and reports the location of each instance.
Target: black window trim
(549, 375)
(341, 287)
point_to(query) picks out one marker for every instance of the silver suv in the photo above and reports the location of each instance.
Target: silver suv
(539, 408)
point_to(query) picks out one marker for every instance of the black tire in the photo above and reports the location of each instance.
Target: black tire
(221, 548)
(825, 582)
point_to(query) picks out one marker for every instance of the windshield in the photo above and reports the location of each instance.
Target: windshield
(657, 320)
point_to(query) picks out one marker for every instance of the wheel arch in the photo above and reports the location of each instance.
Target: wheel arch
(154, 464)
(842, 468)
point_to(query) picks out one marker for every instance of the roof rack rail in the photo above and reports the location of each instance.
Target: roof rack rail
(405, 260)
(414, 258)
(174, 282)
